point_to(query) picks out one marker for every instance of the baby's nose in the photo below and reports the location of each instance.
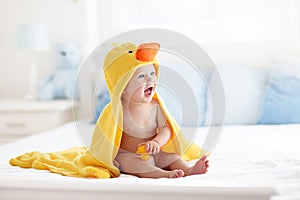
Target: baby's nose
(151, 78)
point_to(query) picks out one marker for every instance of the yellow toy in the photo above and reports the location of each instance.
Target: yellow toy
(142, 151)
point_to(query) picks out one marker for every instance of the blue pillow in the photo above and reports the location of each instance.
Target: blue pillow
(103, 100)
(282, 96)
(282, 100)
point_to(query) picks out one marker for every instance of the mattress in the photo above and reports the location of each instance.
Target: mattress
(248, 162)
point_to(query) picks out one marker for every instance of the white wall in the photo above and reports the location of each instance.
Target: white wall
(208, 21)
(89, 22)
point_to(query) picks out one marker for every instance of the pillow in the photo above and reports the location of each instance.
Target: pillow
(243, 89)
(282, 97)
(171, 101)
(183, 90)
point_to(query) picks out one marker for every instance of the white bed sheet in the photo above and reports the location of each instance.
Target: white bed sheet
(245, 156)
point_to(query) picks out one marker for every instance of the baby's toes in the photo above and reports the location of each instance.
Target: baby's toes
(207, 164)
(176, 174)
(180, 173)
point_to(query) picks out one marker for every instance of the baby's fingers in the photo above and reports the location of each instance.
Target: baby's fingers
(152, 148)
(155, 150)
(149, 147)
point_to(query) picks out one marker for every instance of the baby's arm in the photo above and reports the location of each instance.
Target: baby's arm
(163, 134)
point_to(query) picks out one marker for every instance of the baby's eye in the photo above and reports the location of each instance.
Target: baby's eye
(141, 76)
(152, 73)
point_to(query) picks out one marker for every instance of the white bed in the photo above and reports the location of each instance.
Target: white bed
(249, 162)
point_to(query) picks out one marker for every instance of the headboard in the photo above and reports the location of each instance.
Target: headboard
(250, 54)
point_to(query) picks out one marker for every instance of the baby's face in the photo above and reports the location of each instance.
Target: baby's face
(142, 85)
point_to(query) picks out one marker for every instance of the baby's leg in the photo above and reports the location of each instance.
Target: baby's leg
(170, 161)
(173, 161)
(131, 163)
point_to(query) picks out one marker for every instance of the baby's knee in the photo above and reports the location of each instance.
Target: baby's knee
(124, 158)
(166, 159)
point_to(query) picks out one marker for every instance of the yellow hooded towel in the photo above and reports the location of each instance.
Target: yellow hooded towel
(97, 160)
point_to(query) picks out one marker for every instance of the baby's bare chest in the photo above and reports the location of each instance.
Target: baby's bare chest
(140, 124)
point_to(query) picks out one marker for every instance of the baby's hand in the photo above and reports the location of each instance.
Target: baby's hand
(152, 147)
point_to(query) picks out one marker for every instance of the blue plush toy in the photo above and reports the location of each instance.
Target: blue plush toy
(61, 83)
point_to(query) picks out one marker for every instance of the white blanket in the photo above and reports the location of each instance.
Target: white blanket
(245, 156)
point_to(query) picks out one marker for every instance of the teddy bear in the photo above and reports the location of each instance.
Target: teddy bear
(62, 82)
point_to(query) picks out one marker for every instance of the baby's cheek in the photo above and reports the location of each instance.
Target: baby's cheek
(132, 88)
(138, 92)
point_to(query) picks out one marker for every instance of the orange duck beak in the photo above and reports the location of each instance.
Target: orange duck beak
(147, 51)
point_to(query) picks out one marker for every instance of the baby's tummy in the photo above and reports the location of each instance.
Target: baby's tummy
(130, 143)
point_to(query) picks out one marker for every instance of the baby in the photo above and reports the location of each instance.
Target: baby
(134, 121)
(144, 123)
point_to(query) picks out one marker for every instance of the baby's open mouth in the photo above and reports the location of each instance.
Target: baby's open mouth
(148, 91)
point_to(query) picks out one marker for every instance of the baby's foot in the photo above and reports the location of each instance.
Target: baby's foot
(200, 167)
(177, 173)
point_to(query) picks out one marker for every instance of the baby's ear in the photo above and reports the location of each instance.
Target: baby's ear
(147, 51)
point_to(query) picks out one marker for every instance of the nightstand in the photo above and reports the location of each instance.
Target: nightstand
(19, 118)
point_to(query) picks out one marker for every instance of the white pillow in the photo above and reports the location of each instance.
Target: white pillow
(183, 90)
(243, 87)
(286, 64)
